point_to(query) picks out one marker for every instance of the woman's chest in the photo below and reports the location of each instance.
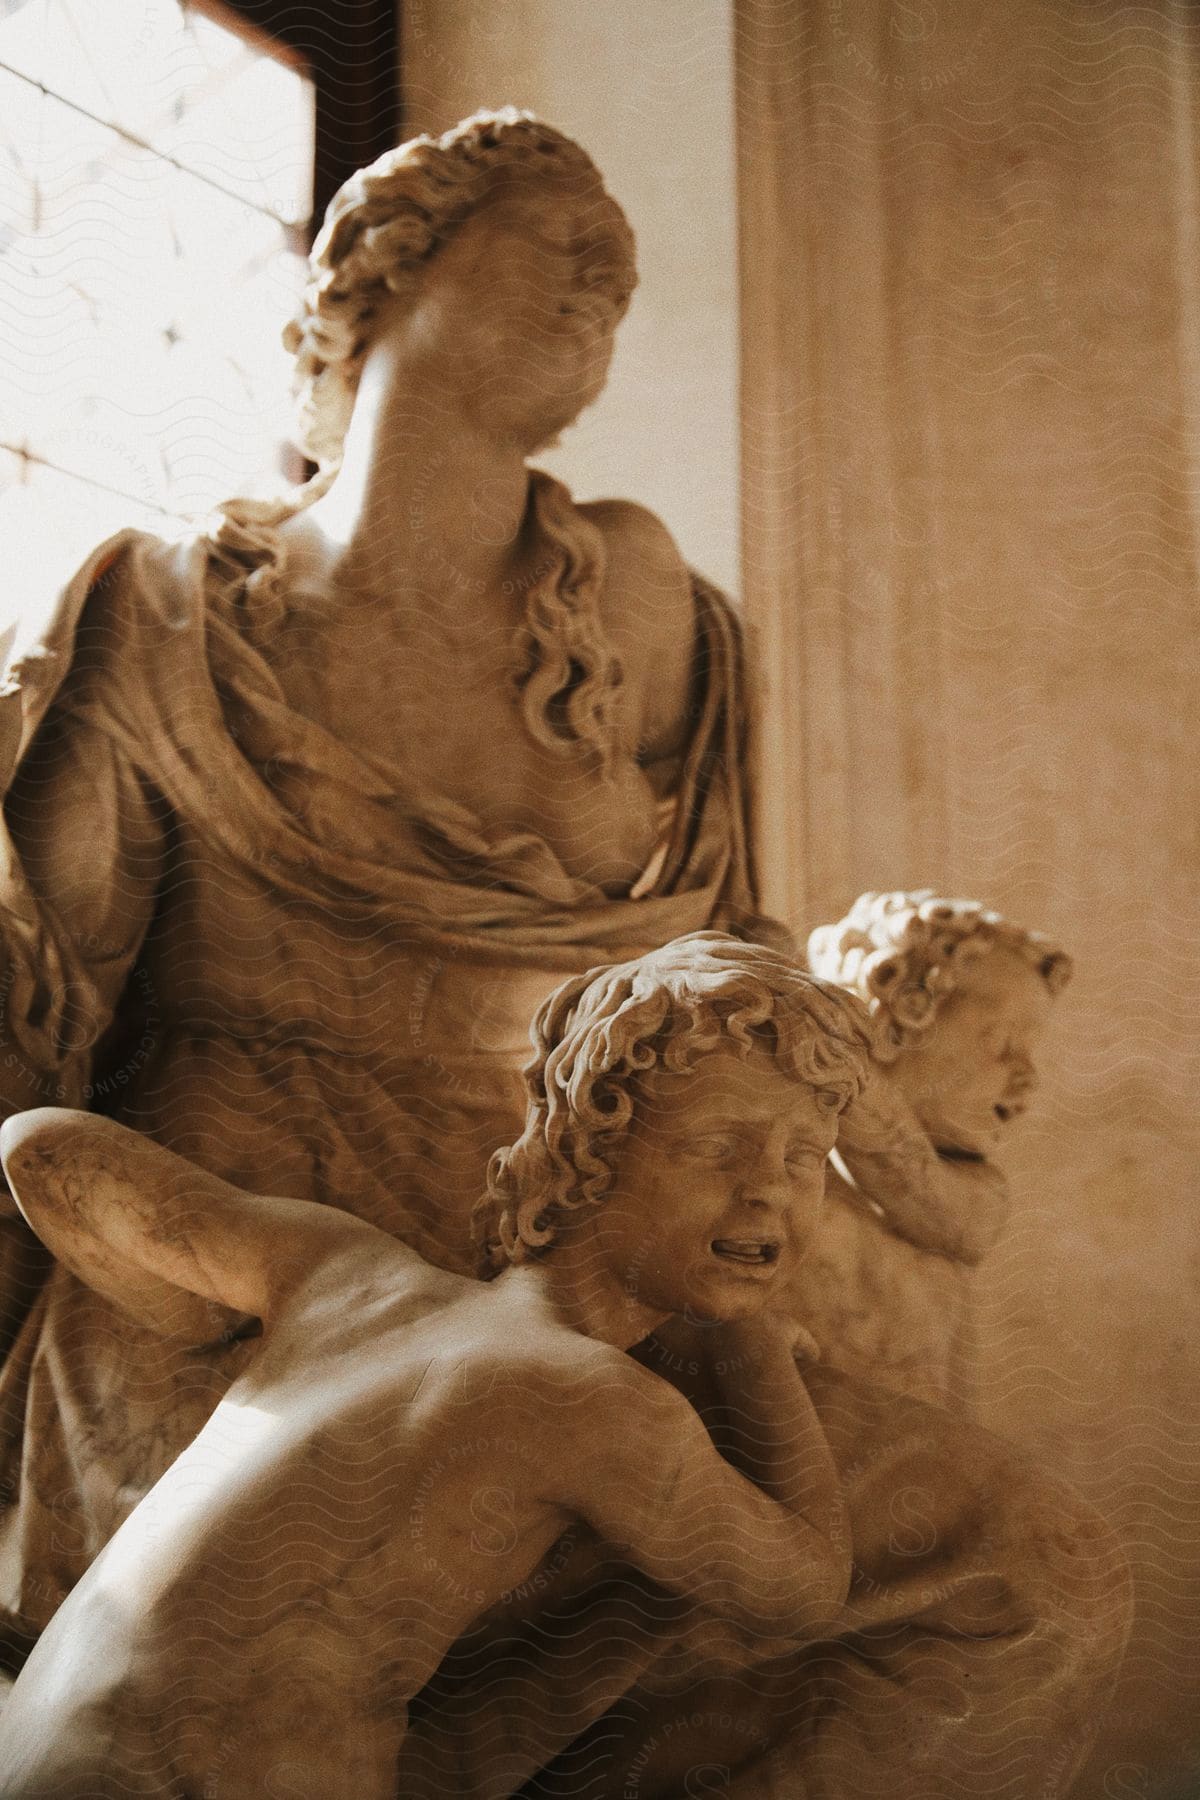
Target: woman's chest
(443, 716)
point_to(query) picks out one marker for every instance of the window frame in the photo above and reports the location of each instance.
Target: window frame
(350, 49)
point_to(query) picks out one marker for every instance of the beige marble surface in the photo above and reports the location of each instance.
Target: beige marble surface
(305, 813)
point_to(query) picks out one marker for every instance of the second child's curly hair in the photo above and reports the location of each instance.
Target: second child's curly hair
(598, 1033)
(386, 222)
(905, 953)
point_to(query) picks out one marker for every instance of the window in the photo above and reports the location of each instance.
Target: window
(156, 166)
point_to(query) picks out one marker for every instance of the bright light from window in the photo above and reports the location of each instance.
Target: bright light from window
(155, 171)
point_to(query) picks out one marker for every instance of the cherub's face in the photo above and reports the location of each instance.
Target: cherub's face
(506, 300)
(972, 1071)
(719, 1186)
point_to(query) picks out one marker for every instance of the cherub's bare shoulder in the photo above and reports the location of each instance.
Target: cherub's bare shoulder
(561, 1375)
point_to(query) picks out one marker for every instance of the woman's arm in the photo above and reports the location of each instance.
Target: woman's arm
(82, 853)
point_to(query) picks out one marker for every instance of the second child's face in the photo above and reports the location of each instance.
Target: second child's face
(720, 1185)
(972, 1072)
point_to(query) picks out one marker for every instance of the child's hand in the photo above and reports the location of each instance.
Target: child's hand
(767, 1330)
(880, 1124)
(805, 1347)
(797, 1337)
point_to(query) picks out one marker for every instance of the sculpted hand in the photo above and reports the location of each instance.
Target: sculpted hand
(955, 1208)
(805, 1348)
(880, 1125)
(764, 1332)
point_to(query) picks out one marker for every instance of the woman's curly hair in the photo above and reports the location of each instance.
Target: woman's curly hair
(904, 953)
(387, 221)
(597, 1034)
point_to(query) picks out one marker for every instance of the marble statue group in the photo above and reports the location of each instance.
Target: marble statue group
(484, 1311)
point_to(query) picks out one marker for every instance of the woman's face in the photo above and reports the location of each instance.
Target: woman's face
(507, 306)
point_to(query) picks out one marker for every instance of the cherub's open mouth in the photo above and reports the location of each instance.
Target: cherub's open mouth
(751, 1253)
(1003, 1113)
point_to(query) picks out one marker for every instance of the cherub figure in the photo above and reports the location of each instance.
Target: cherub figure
(405, 1445)
(959, 996)
(983, 1592)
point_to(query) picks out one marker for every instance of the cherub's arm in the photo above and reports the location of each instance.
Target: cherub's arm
(743, 1379)
(512, 1695)
(751, 1575)
(771, 1554)
(154, 1233)
(954, 1207)
(764, 1426)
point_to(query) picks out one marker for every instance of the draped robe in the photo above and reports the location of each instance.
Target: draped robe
(275, 955)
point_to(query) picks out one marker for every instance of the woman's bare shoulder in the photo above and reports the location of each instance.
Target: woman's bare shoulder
(643, 557)
(649, 612)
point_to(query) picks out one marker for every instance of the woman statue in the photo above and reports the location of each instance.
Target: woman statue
(306, 814)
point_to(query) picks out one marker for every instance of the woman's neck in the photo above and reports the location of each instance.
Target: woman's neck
(423, 496)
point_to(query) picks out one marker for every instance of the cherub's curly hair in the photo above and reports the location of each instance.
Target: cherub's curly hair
(389, 218)
(906, 953)
(599, 1032)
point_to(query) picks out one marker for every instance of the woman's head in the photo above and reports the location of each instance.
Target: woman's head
(539, 257)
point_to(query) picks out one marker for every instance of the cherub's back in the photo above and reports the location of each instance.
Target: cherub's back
(363, 1491)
